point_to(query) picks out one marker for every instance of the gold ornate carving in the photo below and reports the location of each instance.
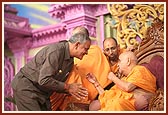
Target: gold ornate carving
(132, 20)
(153, 43)
(157, 102)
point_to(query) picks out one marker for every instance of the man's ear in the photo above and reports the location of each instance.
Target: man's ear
(118, 48)
(128, 61)
(77, 44)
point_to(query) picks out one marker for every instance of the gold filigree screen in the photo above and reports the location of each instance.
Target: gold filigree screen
(132, 20)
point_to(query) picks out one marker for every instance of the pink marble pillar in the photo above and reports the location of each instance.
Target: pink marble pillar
(8, 76)
(101, 30)
(73, 15)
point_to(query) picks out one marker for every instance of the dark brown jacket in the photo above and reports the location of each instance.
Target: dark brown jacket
(49, 69)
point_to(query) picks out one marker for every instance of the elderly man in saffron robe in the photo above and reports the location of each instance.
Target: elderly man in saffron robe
(122, 96)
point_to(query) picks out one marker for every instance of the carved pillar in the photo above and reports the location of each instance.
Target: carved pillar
(101, 31)
(20, 60)
(20, 46)
(76, 15)
(16, 32)
(101, 11)
(8, 76)
(81, 15)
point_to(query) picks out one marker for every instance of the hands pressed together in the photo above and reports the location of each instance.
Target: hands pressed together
(77, 91)
(80, 92)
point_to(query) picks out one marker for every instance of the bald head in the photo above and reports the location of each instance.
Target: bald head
(127, 61)
(109, 40)
(129, 55)
(111, 49)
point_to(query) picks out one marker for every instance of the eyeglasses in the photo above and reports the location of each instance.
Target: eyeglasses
(111, 48)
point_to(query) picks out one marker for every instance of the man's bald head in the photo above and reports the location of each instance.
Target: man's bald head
(111, 49)
(127, 61)
(110, 39)
(129, 55)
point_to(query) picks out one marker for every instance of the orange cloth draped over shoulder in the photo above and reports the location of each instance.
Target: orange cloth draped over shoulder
(117, 100)
(95, 62)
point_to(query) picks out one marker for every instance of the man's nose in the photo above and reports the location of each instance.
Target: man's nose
(111, 51)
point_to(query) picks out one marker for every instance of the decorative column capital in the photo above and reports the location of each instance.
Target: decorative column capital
(19, 44)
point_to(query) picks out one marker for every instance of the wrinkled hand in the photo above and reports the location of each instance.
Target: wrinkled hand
(91, 78)
(111, 76)
(78, 91)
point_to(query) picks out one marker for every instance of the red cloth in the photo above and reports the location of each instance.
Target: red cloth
(156, 67)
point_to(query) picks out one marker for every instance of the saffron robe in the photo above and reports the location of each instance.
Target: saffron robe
(116, 99)
(95, 62)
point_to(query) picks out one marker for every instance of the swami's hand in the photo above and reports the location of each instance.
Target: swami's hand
(91, 78)
(77, 91)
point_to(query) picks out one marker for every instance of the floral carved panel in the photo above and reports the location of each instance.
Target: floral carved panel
(132, 20)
